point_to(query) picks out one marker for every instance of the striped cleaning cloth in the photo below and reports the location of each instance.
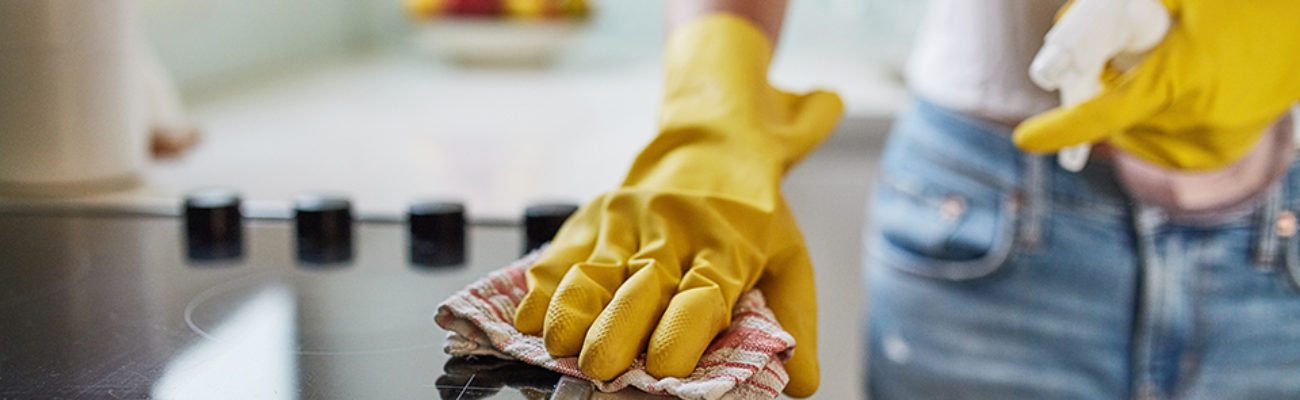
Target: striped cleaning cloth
(744, 362)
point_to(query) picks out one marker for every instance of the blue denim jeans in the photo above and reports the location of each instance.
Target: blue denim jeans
(995, 274)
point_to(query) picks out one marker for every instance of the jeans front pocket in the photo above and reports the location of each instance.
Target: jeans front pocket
(937, 213)
(937, 233)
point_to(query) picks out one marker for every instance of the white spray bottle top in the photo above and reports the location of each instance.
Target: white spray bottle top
(1089, 35)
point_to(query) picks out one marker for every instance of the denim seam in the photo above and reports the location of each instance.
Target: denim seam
(1145, 223)
(1193, 346)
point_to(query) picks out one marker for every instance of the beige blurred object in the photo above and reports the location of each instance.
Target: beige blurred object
(80, 92)
(68, 121)
(498, 41)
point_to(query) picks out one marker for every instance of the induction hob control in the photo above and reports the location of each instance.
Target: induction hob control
(542, 221)
(324, 228)
(214, 225)
(437, 233)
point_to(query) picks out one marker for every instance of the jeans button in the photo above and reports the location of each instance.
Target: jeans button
(952, 208)
(1286, 224)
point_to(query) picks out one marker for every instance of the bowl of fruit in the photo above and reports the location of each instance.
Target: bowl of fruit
(497, 32)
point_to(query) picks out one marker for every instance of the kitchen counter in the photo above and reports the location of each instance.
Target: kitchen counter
(387, 128)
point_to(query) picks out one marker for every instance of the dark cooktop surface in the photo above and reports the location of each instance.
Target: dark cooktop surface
(103, 306)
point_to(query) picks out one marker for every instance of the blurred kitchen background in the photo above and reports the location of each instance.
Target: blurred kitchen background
(355, 97)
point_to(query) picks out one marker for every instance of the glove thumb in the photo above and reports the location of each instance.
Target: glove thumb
(810, 119)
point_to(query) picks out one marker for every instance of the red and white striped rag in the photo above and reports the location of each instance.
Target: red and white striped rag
(744, 362)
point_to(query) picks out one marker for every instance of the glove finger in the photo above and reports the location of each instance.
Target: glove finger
(1135, 96)
(572, 244)
(582, 294)
(697, 313)
(621, 331)
(791, 295)
(589, 286)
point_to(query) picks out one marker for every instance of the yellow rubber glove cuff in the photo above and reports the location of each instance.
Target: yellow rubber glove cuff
(656, 265)
(719, 111)
(1201, 99)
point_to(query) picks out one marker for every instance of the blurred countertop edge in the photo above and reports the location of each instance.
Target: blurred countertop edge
(265, 122)
(871, 86)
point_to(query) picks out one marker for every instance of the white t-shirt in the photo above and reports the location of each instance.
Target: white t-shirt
(973, 56)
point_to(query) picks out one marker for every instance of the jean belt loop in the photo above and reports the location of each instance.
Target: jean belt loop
(1270, 227)
(1033, 198)
(1284, 229)
(1292, 256)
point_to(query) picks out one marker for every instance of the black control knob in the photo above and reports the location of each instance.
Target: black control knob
(542, 221)
(214, 227)
(437, 233)
(324, 228)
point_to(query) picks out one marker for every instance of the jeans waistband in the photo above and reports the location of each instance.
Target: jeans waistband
(1096, 185)
(1043, 185)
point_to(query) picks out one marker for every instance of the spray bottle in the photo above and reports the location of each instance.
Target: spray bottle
(1091, 34)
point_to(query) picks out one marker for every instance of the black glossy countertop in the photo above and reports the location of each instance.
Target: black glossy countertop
(109, 306)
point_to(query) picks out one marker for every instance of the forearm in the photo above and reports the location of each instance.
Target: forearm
(768, 15)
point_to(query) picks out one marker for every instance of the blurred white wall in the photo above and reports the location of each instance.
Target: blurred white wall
(206, 41)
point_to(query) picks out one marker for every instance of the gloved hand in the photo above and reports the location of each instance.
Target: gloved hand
(1200, 99)
(657, 264)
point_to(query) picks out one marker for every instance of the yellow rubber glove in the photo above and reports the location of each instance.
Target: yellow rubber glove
(656, 265)
(1201, 99)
